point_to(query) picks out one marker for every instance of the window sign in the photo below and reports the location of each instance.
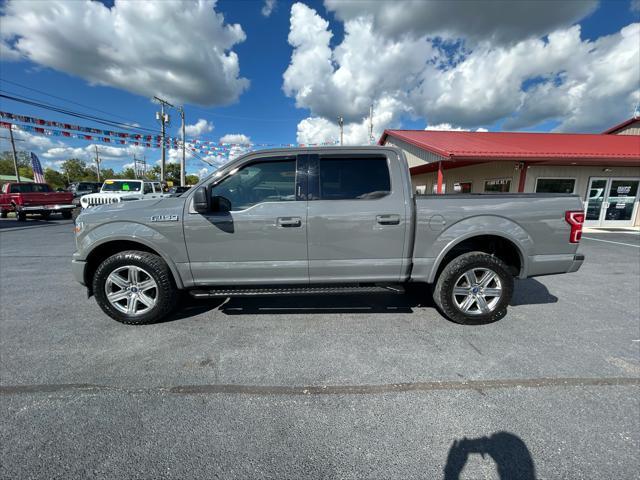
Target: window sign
(500, 185)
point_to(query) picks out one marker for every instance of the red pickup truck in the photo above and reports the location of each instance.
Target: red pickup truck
(37, 198)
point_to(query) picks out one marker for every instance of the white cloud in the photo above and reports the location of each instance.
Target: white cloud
(27, 141)
(267, 8)
(181, 51)
(87, 153)
(497, 21)
(203, 172)
(235, 138)
(450, 128)
(560, 77)
(200, 127)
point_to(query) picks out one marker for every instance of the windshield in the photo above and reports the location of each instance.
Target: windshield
(121, 186)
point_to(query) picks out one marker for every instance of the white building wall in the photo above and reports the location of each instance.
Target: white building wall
(415, 156)
(476, 174)
(631, 129)
(582, 175)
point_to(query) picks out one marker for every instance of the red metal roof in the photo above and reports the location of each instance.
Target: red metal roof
(486, 146)
(620, 126)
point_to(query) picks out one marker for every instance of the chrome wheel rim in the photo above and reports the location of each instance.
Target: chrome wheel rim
(131, 290)
(477, 291)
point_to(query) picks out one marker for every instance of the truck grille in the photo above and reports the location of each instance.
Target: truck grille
(93, 201)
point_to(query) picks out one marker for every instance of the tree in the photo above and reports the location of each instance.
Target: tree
(24, 164)
(191, 179)
(153, 173)
(128, 173)
(75, 170)
(55, 179)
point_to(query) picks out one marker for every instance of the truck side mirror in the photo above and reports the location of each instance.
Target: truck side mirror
(201, 200)
(220, 204)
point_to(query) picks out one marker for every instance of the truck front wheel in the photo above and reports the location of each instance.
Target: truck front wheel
(474, 289)
(135, 287)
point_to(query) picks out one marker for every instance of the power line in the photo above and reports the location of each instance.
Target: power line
(65, 99)
(93, 118)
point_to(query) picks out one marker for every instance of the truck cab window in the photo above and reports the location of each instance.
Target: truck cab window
(354, 178)
(272, 181)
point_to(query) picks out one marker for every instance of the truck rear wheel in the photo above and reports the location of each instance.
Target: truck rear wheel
(135, 287)
(3, 214)
(21, 216)
(474, 289)
(67, 214)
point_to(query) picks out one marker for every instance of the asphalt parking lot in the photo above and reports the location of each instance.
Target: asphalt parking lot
(316, 387)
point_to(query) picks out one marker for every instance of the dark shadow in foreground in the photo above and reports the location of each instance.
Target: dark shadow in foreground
(531, 292)
(512, 457)
(528, 291)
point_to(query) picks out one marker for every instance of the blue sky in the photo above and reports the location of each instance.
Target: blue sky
(263, 111)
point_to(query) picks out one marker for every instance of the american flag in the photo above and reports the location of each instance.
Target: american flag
(38, 176)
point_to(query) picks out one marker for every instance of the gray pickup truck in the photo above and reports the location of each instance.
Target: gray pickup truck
(322, 221)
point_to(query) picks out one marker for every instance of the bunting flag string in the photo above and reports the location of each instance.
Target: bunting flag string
(37, 125)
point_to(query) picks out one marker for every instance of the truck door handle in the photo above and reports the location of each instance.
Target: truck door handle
(392, 219)
(289, 221)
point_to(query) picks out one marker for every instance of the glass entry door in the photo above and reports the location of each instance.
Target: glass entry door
(611, 201)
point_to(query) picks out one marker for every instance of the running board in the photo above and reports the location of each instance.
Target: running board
(275, 291)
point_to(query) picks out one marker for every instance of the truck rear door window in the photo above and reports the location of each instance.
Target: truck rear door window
(354, 178)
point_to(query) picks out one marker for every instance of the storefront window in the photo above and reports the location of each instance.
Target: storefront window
(500, 185)
(555, 185)
(462, 187)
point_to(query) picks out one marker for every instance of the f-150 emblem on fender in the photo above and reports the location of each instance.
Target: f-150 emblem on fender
(164, 218)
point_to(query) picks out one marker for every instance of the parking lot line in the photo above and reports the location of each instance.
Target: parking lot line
(609, 241)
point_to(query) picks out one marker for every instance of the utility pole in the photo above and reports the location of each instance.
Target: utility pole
(15, 157)
(135, 166)
(371, 124)
(183, 163)
(97, 161)
(341, 124)
(164, 119)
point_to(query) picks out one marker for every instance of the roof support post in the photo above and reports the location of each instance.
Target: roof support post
(440, 177)
(523, 176)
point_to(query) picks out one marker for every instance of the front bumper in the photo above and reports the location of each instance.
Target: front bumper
(578, 259)
(77, 269)
(46, 208)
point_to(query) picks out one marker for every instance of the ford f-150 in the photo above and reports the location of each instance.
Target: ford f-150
(327, 221)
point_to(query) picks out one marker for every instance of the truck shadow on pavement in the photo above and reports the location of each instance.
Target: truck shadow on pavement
(528, 292)
(531, 292)
(510, 454)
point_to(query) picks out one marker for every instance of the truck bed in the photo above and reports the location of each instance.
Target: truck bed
(533, 222)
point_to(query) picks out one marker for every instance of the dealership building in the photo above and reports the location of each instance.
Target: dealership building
(604, 169)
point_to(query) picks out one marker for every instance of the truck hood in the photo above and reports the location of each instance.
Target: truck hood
(123, 206)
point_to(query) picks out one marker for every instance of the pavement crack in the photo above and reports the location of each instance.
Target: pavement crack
(263, 390)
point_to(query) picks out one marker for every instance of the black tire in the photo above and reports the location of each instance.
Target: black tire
(46, 215)
(167, 293)
(453, 271)
(3, 214)
(75, 212)
(21, 216)
(67, 214)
